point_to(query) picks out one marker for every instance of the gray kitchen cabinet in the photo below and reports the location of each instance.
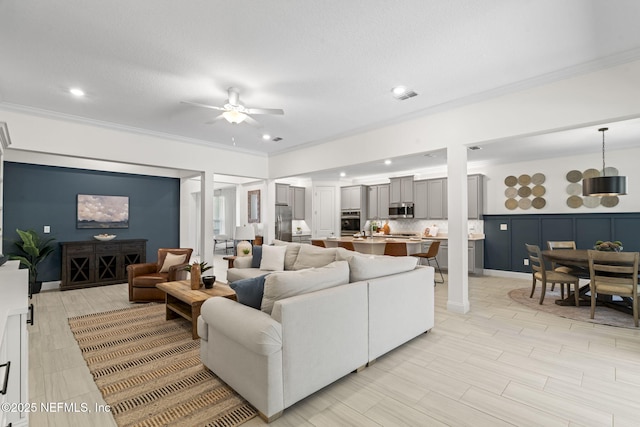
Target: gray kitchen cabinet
(352, 198)
(420, 199)
(378, 201)
(297, 202)
(437, 198)
(475, 253)
(401, 190)
(475, 196)
(282, 194)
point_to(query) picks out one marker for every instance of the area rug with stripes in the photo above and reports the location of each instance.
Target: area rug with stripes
(149, 370)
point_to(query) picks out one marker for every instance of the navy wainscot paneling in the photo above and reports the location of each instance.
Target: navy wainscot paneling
(523, 230)
(36, 195)
(497, 243)
(585, 229)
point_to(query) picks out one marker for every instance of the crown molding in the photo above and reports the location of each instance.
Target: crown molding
(5, 140)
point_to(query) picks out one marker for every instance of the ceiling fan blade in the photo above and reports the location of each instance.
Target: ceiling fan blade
(264, 111)
(203, 105)
(215, 120)
(253, 122)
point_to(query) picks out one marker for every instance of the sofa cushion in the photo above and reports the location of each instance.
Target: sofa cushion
(150, 280)
(291, 253)
(285, 284)
(273, 258)
(343, 254)
(170, 260)
(235, 274)
(311, 256)
(370, 267)
(249, 291)
(257, 257)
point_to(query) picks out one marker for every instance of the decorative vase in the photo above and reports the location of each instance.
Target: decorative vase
(195, 276)
(209, 281)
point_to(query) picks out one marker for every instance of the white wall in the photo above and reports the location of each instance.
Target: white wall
(555, 171)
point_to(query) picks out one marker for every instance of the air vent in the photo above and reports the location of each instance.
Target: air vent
(474, 148)
(277, 139)
(406, 95)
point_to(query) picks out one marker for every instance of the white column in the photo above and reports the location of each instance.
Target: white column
(206, 216)
(458, 262)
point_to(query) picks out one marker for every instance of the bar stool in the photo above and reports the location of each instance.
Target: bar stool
(431, 255)
(318, 242)
(395, 248)
(347, 245)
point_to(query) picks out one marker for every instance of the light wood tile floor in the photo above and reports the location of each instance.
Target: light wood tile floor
(500, 364)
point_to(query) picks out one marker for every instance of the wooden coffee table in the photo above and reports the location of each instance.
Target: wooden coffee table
(185, 302)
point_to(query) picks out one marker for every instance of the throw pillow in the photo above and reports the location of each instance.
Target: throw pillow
(273, 258)
(291, 254)
(285, 284)
(313, 256)
(249, 291)
(257, 257)
(365, 268)
(170, 260)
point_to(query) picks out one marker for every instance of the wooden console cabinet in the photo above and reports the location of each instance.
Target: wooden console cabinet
(95, 263)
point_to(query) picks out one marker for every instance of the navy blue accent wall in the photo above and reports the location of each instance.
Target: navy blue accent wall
(35, 196)
(504, 249)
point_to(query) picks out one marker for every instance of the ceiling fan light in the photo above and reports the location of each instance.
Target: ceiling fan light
(604, 186)
(233, 116)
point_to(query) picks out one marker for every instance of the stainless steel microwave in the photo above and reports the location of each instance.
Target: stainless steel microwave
(401, 210)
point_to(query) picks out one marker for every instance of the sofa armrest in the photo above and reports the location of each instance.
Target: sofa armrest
(243, 262)
(253, 329)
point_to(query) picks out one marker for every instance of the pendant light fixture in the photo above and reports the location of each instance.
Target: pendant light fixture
(604, 185)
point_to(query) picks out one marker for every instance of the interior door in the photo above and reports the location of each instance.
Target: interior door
(325, 212)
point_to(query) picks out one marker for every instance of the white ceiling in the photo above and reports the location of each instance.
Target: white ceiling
(329, 64)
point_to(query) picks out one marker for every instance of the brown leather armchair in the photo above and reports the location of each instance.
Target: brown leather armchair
(143, 278)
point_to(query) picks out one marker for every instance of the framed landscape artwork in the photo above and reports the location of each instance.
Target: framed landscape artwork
(96, 211)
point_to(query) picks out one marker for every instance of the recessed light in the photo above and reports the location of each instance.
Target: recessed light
(429, 155)
(266, 136)
(343, 174)
(387, 162)
(399, 90)
(76, 92)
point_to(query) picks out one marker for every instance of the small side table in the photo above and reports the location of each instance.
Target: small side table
(230, 259)
(185, 302)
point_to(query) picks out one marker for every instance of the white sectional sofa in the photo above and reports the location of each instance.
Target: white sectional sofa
(274, 358)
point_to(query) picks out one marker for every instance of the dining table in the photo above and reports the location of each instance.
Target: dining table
(578, 261)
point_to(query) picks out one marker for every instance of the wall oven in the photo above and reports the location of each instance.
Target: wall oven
(401, 210)
(349, 223)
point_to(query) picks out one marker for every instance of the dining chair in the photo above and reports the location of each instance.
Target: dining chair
(431, 254)
(395, 249)
(347, 245)
(318, 242)
(541, 274)
(614, 273)
(561, 244)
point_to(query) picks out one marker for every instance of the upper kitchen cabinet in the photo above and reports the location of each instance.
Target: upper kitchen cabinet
(378, 202)
(437, 198)
(352, 198)
(296, 195)
(420, 199)
(401, 190)
(475, 196)
(282, 194)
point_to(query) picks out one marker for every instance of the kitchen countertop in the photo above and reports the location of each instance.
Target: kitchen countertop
(379, 238)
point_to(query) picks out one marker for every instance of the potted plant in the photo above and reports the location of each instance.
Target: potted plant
(207, 280)
(31, 251)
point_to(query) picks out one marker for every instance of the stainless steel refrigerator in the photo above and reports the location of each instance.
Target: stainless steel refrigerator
(283, 223)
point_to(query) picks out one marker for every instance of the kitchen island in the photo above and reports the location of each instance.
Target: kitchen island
(374, 245)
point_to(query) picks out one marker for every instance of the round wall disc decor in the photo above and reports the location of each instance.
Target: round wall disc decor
(538, 178)
(524, 179)
(591, 202)
(610, 171)
(574, 201)
(538, 202)
(511, 204)
(510, 181)
(609, 201)
(524, 203)
(538, 190)
(574, 189)
(591, 173)
(524, 191)
(511, 192)
(574, 176)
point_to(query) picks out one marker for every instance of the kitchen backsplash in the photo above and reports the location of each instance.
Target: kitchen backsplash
(398, 226)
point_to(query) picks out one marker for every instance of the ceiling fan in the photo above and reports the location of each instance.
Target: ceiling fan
(234, 111)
